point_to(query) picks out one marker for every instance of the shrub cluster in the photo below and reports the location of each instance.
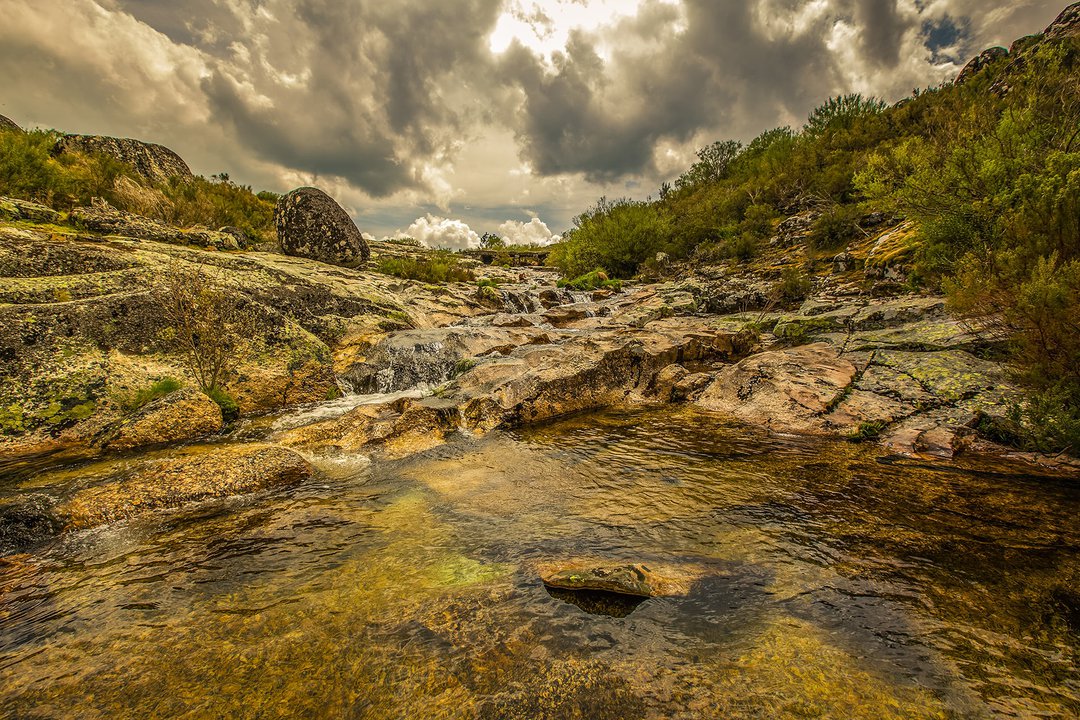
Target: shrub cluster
(442, 267)
(29, 170)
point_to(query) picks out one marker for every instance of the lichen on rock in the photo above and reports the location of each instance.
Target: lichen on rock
(311, 224)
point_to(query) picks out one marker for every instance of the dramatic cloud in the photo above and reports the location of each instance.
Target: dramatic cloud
(475, 110)
(440, 232)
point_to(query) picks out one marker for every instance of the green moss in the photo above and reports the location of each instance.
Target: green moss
(12, 420)
(230, 410)
(133, 401)
(463, 366)
(798, 329)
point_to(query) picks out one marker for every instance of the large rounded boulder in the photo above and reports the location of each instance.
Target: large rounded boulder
(311, 225)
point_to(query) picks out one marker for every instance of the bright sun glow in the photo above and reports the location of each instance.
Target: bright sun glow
(545, 25)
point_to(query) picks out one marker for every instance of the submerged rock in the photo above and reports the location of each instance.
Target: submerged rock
(156, 163)
(26, 522)
(311, 225)
(638, 580)
(186, 478)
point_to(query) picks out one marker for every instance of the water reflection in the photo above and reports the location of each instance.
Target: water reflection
(817, 581)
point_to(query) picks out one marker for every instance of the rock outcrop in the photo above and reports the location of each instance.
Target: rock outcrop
(103, 218)
(9, 124)
(311, 224)
(183, 479)
(1066, 25)
(981, 62)
(156, 163)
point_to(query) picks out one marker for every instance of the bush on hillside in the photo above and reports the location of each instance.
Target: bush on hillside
(443, 267)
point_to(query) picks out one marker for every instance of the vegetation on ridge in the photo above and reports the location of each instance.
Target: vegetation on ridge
(989, 175)
(29, 170)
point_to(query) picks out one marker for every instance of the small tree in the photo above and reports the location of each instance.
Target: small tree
(207, 322)
(491, 241)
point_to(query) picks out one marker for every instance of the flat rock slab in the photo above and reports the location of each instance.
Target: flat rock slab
(184, 479)
(788, 390)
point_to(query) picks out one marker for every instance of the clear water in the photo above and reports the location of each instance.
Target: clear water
(827, 581)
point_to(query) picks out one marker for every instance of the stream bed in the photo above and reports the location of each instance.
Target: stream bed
(829, 580)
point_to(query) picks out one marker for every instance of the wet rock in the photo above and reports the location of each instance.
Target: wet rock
(311, 224)
(505, 320)
(7, 124)
(153, 162)
(667, 379)
(622, 580)
(26, 522)
(183, 479)
(16, 209)
(551, 297)
(185, 414)
(941, 433)
(689, 386)
(410, 358)
(566, 315)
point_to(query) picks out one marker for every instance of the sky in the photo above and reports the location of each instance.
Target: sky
(446, 119)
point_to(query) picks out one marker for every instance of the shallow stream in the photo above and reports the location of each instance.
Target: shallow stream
(827, 580)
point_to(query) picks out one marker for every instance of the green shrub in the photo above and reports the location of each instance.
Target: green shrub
(230, 410)
(794, 286)
(617, 236)
(443, 267)
(160, 388)
(595, 280)
(29, 170)
(836, 227)
(870, 430)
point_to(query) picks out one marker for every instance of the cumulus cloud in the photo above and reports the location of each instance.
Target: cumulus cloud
(534, 232)
(439, 232)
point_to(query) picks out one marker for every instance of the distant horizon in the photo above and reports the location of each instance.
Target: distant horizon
(479, 115)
